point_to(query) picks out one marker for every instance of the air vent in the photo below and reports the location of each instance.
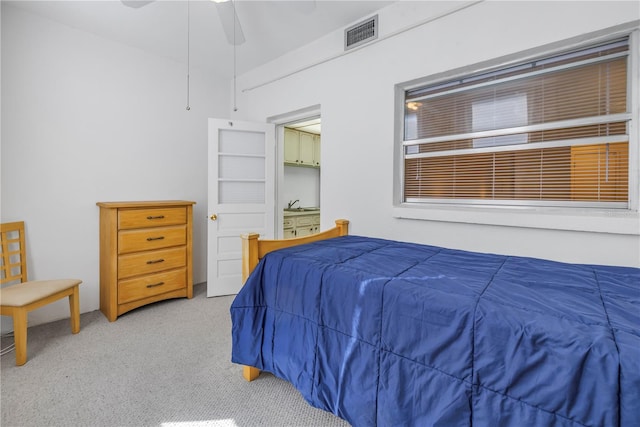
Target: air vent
(361, 33)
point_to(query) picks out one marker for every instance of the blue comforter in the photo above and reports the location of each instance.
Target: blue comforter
(384, 333)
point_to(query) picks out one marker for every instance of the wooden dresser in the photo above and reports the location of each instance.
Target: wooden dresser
(145, 253)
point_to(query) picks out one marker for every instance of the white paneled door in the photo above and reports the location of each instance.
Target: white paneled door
(241, 196)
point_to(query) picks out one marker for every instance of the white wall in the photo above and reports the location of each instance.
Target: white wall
(356, 95)
(88, 120)
(303, 184)
(85, 119)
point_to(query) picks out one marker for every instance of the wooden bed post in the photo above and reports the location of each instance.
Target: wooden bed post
(253, 250)
(249, 262)
(250, 373)
(343, 226)
(249, 254)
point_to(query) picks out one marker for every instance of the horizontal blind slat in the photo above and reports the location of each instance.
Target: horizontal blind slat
(595, 172)
(598, 90)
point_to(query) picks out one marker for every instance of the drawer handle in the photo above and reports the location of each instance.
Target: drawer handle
(155, 284)
(155, 217)
(155, 261)
(149, 239)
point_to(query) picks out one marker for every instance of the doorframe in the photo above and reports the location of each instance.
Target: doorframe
(280, 121)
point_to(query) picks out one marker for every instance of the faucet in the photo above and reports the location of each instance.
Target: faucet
(290, 204)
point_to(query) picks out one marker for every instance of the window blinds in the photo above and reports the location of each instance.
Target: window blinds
(551, 131)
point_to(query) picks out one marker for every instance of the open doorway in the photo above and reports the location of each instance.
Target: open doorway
(299, 186)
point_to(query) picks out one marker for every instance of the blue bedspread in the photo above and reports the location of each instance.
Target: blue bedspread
(384, 333)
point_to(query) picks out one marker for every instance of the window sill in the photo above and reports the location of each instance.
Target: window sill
(614, 221)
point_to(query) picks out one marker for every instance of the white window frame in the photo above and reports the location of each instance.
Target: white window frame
(590, 219)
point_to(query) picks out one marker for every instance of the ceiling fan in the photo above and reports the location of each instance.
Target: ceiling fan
(231, 26)
(226, 12)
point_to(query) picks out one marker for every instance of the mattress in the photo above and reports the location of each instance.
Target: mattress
(387, 333)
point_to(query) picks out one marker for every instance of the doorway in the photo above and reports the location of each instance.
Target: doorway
(298, 202)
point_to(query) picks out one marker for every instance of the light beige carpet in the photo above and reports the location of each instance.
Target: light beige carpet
(166, 364)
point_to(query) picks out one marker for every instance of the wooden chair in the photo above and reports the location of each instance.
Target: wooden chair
(22, 296)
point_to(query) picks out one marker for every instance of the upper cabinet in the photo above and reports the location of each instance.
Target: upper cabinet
(306, 149)
(316, 149)
(291, 146)
(301, 148)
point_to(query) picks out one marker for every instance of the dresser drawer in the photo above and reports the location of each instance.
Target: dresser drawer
(151, 238)
(136, 264)
(151, 217)
(152, 284)
(287, 223)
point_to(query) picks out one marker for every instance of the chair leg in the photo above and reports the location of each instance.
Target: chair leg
(20, 335)
(74, 307)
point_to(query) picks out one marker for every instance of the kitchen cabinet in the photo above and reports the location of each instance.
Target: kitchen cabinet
(306, 149)
(300, 224)
(289, 227)
(291, 146)
(301, 148)
(316, 150)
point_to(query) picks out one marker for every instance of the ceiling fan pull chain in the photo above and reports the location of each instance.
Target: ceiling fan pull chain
(235, 91)
(188, 47)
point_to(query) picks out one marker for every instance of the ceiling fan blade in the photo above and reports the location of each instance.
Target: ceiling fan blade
(136, 3)
(228, 16)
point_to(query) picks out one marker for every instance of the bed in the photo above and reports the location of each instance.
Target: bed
(386, 333)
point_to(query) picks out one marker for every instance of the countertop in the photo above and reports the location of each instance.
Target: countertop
(302, 212)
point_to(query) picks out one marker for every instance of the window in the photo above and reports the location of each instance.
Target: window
(549, 132)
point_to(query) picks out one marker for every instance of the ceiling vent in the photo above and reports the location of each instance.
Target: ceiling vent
(361, 33)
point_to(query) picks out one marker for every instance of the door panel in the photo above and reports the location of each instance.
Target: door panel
(241, 196)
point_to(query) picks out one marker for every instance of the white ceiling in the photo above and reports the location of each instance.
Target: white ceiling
(271, 28)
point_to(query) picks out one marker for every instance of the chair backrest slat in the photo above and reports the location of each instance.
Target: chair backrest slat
(14, 258)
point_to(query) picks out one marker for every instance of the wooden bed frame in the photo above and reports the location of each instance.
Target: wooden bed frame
(253, 250)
